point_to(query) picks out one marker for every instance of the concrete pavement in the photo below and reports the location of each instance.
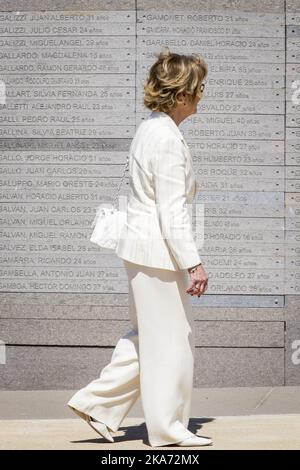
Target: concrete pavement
(235, 418)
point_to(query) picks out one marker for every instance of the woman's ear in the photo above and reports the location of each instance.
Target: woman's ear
(182, 97)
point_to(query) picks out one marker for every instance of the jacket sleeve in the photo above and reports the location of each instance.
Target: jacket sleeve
(168, 167)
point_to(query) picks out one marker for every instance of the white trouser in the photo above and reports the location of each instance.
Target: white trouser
(154, 359)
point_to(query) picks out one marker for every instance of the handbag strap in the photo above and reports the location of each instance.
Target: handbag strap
(122, 179)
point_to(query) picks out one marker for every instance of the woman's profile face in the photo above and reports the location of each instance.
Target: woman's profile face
(187, 106)
(195, 103)
(190, 106)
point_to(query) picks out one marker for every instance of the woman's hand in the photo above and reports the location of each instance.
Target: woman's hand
(199, 281)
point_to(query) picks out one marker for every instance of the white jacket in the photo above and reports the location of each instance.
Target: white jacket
(158, 231)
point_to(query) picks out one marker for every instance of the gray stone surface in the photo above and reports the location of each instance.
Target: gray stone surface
(239, 367)
(292, 355)
(292, 6)
(267, 6)
(221, 401)
(259, 432)
(55, 5)
(107, 333)
(115, 307)
(41, 368)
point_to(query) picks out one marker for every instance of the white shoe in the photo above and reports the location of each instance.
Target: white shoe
(195, 441)
(98, 426)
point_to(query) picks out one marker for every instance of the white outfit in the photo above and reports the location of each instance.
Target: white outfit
(156, 358)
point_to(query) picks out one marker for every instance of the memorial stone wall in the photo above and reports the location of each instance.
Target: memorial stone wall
(71, 98)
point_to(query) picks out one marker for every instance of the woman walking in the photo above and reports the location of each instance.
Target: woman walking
(155, 359)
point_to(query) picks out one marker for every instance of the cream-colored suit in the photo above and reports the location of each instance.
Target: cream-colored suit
(155, 359)
(158, 232)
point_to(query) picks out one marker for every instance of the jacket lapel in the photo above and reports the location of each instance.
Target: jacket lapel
(175, 128)
(169, 121)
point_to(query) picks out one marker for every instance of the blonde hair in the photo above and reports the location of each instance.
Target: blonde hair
(170, 75)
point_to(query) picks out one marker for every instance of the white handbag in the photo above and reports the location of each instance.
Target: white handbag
(109, 222)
